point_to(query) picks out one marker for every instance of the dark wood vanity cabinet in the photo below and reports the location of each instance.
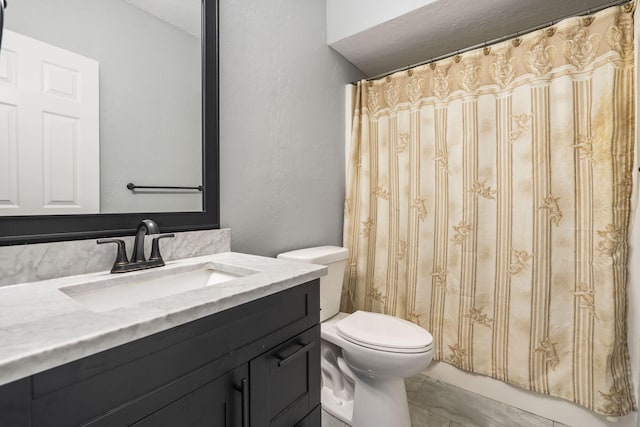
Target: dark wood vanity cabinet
(254, 365)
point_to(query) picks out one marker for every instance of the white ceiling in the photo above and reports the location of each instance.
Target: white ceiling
(445, 26)
(182, 14)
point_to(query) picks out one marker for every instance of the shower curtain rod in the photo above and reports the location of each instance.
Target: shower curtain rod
(499, 39)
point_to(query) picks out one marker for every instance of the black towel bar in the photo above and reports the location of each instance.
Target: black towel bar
(134, 187)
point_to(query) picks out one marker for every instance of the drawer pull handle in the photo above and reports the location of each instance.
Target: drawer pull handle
(244, 393)
(299, 352)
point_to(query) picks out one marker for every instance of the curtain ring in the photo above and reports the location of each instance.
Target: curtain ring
(410, 72)
(549, 32)
(486, 50)
(457, 58)
(388, 79)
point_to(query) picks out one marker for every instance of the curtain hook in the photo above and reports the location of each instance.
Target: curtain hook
(517, 41)
(486, 49)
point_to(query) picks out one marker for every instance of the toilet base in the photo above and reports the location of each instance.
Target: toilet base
(380, 404)
(339, 408)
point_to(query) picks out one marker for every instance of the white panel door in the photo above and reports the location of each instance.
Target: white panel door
(49, 129)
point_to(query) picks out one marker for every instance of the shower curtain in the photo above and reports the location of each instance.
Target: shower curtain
(488, 200)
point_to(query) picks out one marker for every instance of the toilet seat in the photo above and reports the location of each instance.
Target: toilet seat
(384, 333)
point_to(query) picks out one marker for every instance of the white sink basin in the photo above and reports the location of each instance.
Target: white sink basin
(127, 290)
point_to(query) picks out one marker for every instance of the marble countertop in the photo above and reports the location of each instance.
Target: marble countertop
(41, 327)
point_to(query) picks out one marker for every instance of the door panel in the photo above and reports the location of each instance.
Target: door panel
(60, 142)
(8, 158)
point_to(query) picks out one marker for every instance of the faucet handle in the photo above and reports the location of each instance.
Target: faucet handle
(155, 247)
(121, 257)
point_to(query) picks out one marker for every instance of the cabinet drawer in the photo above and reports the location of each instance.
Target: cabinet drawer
(97, 384)
(285, 381)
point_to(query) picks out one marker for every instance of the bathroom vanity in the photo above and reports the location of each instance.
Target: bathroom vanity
(243, 351)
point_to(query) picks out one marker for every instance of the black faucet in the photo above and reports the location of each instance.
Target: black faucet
(145, 227)
(138, 261)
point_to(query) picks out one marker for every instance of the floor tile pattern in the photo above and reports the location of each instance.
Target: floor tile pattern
(436, 404)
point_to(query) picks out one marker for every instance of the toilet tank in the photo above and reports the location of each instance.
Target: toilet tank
(335, 258)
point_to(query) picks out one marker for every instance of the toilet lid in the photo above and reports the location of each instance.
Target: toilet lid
(382, 332)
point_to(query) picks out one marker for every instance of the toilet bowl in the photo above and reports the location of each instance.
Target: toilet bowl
(365, 357)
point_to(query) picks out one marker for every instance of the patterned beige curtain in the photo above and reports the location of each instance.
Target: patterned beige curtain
(488, 201)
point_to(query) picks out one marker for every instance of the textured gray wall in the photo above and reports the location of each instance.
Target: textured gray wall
(281, 126)
(150, 90)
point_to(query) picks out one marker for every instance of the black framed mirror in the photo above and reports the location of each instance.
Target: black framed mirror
(49, 228)
(2, 6)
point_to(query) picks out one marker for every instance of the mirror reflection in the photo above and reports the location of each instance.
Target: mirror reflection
(95, 95)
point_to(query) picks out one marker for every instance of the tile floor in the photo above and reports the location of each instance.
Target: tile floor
(436, 404)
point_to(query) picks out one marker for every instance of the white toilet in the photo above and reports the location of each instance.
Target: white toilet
(365, 356)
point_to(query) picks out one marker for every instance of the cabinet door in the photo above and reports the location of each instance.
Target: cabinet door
(285, 381)
(15, 404)
(217, 403)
